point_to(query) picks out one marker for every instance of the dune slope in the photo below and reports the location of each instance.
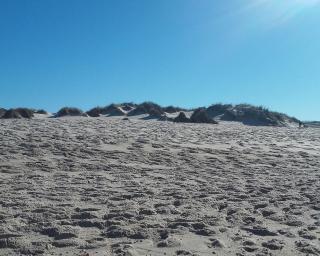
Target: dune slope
(107, 186)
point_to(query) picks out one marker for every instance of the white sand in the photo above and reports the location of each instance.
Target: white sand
(106, 186)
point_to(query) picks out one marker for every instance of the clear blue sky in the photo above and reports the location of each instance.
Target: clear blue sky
(184, 52)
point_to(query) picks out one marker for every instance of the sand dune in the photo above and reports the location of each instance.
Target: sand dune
(107, 186)
(243, 113)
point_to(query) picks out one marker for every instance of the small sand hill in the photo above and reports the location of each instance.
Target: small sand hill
(172, 109)
(94, 112)
(200, 115)
(17, 113)
(244, 113)
(2, 112)
(41, 112)
(111, 110)
(149, 108)
(249, 115)
(70, 111)
(181, 118)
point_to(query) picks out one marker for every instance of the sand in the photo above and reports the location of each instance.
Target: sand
(107, 186)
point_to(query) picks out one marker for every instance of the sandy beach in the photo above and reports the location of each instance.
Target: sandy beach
(107, 186)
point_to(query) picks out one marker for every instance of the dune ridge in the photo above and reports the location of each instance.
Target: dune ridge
(244, 113)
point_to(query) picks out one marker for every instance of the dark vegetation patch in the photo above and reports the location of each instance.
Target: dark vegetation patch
(182, 118)
(113, 110)
(41, 111)
(150, 108)
(94, 112)
(218, 109)
(70, 111)
(140, 110)
(110, 110)
(172, 109)
(128, 106)
(249, 114)
(2, 112)
(245, 113)
(18, 113)
(200, 115)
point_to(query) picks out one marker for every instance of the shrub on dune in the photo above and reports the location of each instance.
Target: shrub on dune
(155, 113)
(25, 112)
(94, 112)
(146, 108)
(18, 113)
(200, 116)
(181, 118)
(229, 115)
(172, 109)
(70, 111)
(218, 109)
(41, 111)
(139, 110)
(249, 114)
(112, 110)
(2, 112)
(150, 106)
(117, 112)
(11, 113)
(128, 106)
(253, 115)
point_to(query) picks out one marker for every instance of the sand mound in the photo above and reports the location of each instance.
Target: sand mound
(117, 112)
(252, 115)
(172, 109)
(147, 108)
(18, 113)
(41, 111)
(2, 112)
(181, 118)
(229, 115)
(70, 111)
(139, 110)
(94, 112)
(128, 106)
(113, 110)
(218, 109)
(249, 115)
(11, 113)
(200, 116)
(244, 113)
(155, 114)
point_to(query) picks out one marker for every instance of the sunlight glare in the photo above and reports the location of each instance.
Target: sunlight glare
(276, 12)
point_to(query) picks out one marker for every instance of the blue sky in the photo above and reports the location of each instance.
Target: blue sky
(190, 53)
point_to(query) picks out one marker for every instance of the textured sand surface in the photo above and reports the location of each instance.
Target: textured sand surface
(107, 186)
